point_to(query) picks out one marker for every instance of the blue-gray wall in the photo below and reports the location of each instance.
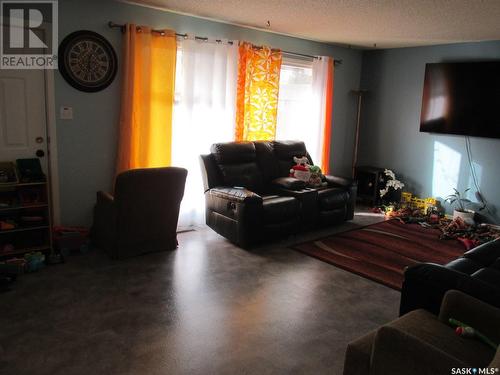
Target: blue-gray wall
(390, 136)
(87, 144)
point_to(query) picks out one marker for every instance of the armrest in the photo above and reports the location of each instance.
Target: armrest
(104, 225)
(104, 198)
(351, 186)
(397, 352)
(288, 183)
(236, 195)
(472, 312)
(496, 359)
(340, 181)
(425, 285)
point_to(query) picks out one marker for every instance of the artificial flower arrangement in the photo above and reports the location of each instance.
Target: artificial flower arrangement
(392, 182)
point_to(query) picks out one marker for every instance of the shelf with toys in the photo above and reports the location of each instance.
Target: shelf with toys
(26, 250)
(25, 215)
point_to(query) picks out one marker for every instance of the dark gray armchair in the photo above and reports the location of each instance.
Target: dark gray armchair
(142, 215)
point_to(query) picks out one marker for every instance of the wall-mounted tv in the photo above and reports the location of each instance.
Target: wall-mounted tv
(462, 98)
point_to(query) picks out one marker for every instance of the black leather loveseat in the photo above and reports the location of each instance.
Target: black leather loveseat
(476, 273)
(249, 196)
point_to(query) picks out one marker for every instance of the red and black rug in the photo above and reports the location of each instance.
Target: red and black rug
(382, 251)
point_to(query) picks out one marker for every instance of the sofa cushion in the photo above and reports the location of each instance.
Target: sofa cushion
(284, 151)
(464, 265)
(279, 209)
(485, 254)
(332, 198)
(245, 175)
(488, 275)
(233, 152)
(237, 162)
(496, 264)
(266, 160)
(426, 327)
(289, 183)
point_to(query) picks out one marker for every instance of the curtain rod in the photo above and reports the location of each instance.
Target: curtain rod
(113, 25)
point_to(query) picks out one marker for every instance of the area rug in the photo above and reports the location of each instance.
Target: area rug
(382, 251)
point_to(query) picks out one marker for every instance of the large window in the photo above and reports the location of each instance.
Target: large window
(296, 105)
(204, 110)
(205, 101)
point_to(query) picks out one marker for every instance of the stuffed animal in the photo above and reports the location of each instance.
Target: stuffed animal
(316, 177)
(301, 169)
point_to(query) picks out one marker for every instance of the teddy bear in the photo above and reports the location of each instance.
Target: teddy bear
(301, 169)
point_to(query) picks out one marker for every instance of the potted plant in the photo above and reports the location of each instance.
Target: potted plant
(459, 203)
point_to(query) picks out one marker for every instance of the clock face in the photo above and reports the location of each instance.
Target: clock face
(87, 61)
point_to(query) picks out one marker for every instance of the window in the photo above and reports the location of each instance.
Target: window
(205, 100)
(296, 105)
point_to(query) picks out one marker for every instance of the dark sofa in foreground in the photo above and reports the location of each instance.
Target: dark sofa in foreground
(250, 198)
(476, 273)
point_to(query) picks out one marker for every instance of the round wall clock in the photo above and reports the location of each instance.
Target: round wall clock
(87, 61)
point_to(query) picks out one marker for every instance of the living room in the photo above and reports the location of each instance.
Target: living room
(249, 281)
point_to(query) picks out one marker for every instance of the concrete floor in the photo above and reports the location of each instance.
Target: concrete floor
(206, 308)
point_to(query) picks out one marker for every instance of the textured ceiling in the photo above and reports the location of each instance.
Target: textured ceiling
(360, 23)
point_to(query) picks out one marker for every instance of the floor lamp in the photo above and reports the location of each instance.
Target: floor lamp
(359, 94)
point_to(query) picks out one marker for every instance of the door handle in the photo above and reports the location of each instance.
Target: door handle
(40, 153)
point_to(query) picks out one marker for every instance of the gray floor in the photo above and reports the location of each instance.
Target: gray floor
(206, 308)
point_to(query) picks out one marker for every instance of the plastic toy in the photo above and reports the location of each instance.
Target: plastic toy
(466, 331)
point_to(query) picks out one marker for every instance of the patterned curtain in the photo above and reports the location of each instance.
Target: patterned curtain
(257, 93)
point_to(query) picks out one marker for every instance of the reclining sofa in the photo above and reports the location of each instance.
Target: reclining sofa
(250, 196)
(476, 273)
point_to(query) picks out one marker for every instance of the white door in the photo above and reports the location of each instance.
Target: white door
(23, 130)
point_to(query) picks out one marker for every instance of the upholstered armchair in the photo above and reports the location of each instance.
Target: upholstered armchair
(421, 343)
(141, 216)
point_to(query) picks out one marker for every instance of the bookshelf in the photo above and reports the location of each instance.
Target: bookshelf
(25, 218)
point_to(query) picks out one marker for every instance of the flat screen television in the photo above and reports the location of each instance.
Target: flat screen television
(462, 98)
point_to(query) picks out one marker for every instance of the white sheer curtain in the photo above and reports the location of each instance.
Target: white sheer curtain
(320, 68)
(204, 113)
(301, 107)
(295, 101)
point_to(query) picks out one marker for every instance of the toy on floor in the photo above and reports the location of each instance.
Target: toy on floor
(466, 331)
(34, 261)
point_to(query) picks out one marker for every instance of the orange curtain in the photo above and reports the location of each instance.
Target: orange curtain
(145, 128)
(257, 93)
(327, 130)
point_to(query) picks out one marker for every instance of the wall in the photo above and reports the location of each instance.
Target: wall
(87, 144)
(430, 164)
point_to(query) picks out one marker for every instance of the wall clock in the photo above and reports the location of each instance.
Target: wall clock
(87, 61)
